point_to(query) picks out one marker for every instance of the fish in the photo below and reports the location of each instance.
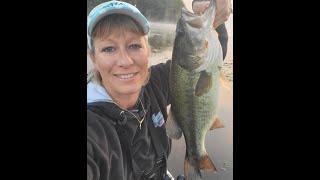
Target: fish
(194, 82)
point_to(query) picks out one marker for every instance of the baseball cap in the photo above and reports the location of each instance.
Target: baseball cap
(114, 7)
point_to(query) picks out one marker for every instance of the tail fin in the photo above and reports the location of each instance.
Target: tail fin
(194, 173)
(206, 163)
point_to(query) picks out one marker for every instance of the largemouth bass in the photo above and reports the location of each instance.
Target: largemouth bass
(194, 85)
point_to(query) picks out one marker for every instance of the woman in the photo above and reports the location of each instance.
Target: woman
(126, 101)
(126, 138)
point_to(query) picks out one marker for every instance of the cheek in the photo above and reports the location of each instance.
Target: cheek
(143, 60)
(103, 64)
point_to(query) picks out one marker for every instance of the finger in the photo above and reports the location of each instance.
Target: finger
(217, 23)
(207, 4)
(204, 6)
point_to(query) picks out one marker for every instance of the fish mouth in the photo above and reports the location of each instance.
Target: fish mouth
(199, 20)
(186, 11)
(191, 18)
(126, 77)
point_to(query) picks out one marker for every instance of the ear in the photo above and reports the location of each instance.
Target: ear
(92, 57)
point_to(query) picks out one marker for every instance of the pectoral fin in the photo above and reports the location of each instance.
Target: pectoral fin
(173, 129)
(204, 83)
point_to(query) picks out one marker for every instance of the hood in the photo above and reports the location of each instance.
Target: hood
(97, 93)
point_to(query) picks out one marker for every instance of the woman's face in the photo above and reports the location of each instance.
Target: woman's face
(122, 61)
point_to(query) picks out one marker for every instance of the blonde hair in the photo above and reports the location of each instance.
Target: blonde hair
(115, 23)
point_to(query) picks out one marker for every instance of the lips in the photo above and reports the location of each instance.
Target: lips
(127, 76)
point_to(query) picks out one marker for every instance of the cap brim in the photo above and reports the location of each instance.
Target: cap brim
(137, 17)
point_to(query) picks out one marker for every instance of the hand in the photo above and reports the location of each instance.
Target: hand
(199, 7)
(223, 10)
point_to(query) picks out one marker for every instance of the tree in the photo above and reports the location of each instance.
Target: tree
(154, 10)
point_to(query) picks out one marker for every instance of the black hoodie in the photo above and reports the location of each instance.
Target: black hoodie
(117, 149)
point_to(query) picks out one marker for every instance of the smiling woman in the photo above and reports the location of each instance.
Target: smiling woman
(120, 54)
(126, 100)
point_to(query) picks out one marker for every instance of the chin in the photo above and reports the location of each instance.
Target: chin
(130, 90)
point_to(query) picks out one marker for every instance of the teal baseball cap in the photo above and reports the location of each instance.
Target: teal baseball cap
(114, 7)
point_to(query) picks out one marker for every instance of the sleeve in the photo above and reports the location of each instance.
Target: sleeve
(160, 79)
(104, 155)
(93, 172)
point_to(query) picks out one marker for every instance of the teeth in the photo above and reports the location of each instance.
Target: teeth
(125, 76)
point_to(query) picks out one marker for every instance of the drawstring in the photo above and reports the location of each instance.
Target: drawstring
(123, 117)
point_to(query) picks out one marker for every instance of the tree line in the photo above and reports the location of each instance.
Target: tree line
(154, 10)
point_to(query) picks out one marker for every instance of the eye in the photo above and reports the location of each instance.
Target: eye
(135, 46)
(109, 49)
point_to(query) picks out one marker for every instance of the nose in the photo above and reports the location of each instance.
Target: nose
(124, 58)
